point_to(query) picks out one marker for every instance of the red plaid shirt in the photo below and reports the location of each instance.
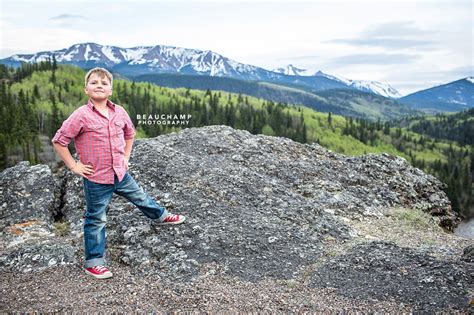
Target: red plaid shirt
(99, 141)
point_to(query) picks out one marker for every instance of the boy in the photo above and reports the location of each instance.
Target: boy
(103, 136)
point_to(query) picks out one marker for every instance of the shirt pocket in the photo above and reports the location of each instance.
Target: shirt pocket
(95, 132)
(119, 126)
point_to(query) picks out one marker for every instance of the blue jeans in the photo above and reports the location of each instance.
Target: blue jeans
(98, 197)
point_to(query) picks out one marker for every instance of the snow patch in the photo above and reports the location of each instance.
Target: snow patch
(109, 53)
(21, 59)
(333, 77)
(367, 86)
(292, 70)
(134, 53)
(139, 61)
(376, 87)
(86, 53)
(454, 101)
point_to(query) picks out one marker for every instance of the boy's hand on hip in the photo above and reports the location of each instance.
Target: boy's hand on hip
(82, 170)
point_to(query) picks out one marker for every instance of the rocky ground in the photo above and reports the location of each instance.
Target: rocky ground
(272, 225)
(67, 289)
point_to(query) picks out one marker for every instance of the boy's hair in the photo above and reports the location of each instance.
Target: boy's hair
(101, 72)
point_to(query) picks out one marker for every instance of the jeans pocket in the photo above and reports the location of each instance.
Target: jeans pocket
(97, 192)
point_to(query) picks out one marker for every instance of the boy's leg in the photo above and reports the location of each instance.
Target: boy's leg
(129, 189)
(98, 197)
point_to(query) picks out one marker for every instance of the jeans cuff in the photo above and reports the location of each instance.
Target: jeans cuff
(94, 262)
(163, 216)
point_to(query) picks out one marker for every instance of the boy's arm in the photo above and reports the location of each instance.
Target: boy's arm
(70, 128)
(129, 134)
(65, 155)
(128, 148)
(128, 151)
(76, 167)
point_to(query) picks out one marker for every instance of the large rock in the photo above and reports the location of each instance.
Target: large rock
(260, 206)
(30, 203)
(28, 193)
(257, 206)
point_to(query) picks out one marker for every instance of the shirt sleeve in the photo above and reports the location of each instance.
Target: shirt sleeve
(70, 128)
(128, 128)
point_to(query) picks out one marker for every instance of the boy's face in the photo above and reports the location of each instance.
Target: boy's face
(98, 88)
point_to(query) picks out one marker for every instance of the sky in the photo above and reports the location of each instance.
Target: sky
(411, 45)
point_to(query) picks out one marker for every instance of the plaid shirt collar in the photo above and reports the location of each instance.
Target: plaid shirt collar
(109, 104)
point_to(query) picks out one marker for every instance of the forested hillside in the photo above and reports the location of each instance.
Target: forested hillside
(35, 99)
(457, 127)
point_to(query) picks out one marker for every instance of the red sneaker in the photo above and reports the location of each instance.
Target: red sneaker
(99, 272)
(173, 219)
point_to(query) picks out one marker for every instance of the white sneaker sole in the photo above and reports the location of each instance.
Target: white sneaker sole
(102, 276)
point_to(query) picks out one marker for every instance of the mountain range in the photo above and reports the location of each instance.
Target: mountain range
(157, 60)
(452, 97)
(168, 59)
(366, 86)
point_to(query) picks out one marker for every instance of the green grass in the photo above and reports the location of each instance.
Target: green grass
(61, 228)
(414, 218)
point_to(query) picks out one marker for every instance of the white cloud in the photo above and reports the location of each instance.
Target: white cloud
(316, 35)
(63, 17)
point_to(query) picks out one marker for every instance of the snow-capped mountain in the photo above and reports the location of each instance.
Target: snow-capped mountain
(319, 73)
(160, 59)
(291, 70)
(450, 97)
(366, 86)
(154, 61)
(149, 59)
(376, 87)
(169, 59)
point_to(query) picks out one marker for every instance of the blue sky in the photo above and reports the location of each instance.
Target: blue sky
(410, 45)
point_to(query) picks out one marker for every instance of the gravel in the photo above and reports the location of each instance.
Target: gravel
(69, 289)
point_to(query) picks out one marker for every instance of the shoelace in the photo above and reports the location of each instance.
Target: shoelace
(172, 217)
(100, 268)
